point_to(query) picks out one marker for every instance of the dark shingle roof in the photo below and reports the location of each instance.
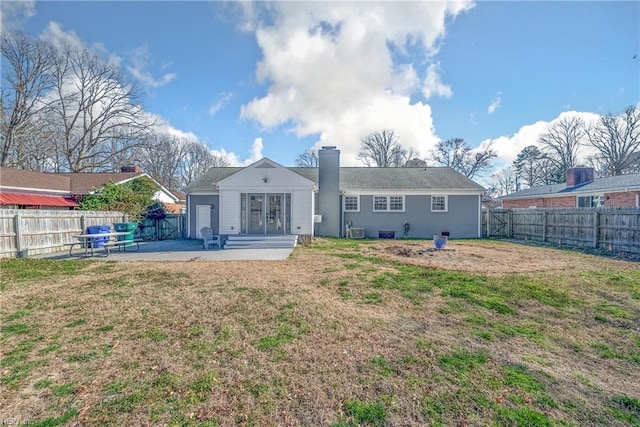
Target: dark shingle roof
(86, 182)
(363, 178)
(20, 178)
(612, 183)
(72, 183)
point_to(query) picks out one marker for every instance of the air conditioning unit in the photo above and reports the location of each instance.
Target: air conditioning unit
(317, 218)
(356, 233)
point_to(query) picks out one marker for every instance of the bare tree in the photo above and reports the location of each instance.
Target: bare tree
(382, 149)
(532, 168)
(26, 77)
(504, 182)
(163, 156)
(198, 160)
(415, 163)
(617, 143)
(308, 159)
(458, 155)
(562, 141)
(96, 113)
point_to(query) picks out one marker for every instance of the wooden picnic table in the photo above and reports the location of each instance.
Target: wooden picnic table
(87, 241)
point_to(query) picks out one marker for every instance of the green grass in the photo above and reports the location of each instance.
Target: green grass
(24, 270)
(363, 413)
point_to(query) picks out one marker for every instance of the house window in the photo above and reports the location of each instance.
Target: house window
(591, 201)
(351, 203)
(388, 203)
(439, 204)
(396, 203)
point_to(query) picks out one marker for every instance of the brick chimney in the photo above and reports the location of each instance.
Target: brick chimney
(579, 175)
(130, 168)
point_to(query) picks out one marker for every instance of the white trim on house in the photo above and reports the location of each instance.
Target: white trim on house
(446, 203)
(425, 192)
(388, 203)
(265, 177)
(34, 190)
(344, 203)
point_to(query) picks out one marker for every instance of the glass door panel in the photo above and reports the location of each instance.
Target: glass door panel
(274, 217)
(256, 214)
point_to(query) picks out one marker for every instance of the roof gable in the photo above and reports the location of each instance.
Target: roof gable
(267, 174)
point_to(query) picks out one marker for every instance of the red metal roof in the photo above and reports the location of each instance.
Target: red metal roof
(35, 200)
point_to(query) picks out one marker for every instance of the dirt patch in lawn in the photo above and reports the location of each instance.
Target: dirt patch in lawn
(486, 257)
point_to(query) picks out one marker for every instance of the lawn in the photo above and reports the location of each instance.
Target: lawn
(343, 333)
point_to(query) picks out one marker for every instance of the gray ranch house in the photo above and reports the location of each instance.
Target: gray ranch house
(266, 198)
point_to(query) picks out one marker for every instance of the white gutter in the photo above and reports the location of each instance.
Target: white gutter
(480, 216)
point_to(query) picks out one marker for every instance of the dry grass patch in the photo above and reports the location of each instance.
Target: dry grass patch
(343, 333)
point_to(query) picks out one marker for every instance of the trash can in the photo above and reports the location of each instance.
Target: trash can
(129, 228)
(99, 242)
(439, 241)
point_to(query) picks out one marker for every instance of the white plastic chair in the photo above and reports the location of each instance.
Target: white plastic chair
(208, 238)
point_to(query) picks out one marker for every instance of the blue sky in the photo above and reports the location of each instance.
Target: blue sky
(274, 79)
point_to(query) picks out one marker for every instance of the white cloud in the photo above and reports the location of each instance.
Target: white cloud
(163, 127)
(234, 159)
(433, 86)
(60, 38)
(221, 101)
(495, 103)
(331, 72)
(141, 60)
(508, 147)
(13, 14)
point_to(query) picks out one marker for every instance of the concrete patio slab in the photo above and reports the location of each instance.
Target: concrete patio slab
(180, 250)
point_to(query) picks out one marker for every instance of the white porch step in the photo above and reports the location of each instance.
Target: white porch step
(244, 241)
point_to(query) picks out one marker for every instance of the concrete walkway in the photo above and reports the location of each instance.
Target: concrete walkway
(179, 250)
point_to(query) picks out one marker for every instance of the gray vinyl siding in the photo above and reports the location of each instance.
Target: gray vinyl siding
(461, 219)
(215, 212)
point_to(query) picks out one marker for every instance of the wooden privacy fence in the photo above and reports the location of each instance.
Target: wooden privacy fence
(40, 231)
(616, 230)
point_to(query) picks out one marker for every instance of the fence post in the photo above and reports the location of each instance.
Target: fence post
(83, 224)
(488, 222)
(544, 226)
(510, 224)
(596, 228)
(18, 232)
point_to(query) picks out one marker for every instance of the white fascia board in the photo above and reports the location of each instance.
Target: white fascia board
(203, 193)
(31, 189)
(425, 192)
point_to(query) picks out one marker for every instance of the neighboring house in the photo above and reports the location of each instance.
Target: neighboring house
(23, 189)
(267, 198)
(179, 206)
(581, 190)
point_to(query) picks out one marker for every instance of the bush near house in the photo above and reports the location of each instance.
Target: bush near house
(133, 198)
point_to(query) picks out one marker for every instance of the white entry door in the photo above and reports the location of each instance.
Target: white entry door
(203, 218)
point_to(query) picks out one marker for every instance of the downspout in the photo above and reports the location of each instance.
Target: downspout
(342, 233)
(479, 216)
(188, 216)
